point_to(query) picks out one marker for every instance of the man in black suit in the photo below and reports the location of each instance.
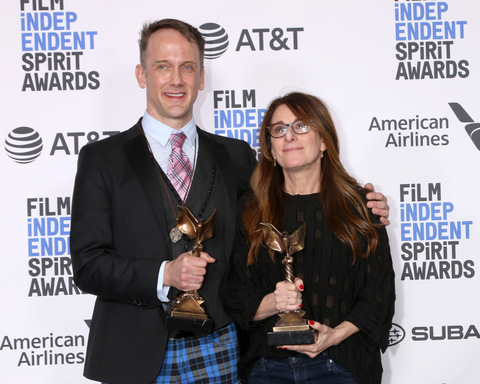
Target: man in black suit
(125, 206)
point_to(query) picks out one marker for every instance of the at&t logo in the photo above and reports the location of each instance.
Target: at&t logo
(256, 39)
(23, 145)
(216, 40)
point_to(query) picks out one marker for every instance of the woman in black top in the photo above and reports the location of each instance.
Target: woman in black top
(345, 278)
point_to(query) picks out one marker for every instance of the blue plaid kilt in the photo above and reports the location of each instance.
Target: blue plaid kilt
(211, 359)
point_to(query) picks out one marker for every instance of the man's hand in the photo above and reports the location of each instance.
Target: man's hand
(378, 204)
(187, 272)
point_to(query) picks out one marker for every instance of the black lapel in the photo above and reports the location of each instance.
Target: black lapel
(143, 165)
(226, 175)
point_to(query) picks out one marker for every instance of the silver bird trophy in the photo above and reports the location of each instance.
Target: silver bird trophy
(292, 327)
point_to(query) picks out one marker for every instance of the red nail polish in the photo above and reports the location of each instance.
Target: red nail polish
(310, 322)
(301, 305)
(301, 287)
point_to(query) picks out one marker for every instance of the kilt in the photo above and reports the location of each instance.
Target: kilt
(210, 359)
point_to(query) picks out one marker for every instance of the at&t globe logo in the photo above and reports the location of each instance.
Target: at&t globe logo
(23, 145)
(216, 40)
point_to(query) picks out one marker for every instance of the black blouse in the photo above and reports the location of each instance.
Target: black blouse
(337, 289)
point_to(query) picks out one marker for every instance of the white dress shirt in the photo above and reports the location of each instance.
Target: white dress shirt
(158, 137)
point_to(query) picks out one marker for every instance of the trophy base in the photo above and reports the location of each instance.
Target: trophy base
(291, 329)
(285, 337)
(183, 318)
(188, 324)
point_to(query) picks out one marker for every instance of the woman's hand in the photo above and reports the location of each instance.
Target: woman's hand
(325, 337)
(286, 297)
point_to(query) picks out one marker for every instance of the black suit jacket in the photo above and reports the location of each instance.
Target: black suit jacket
(119, 240)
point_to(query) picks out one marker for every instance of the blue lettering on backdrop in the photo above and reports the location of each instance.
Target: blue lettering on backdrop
(45, 21)
(233, 117)
(48, 236)
(36, 38)
(431, 240)
(53, 41)
(46, 32)
(423, 27)
(413, 228)
(420, 21)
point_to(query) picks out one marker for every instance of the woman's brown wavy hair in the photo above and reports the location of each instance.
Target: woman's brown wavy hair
(344, 207)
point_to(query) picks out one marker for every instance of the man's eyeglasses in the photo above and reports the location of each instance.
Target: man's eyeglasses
(279, 129)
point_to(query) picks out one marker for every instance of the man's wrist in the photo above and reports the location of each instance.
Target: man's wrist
(163, 286)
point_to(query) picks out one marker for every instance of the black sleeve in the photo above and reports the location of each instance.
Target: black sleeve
(99, 268)
(374, 309)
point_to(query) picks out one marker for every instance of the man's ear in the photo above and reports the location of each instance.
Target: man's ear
(140, 75)
(201, 86)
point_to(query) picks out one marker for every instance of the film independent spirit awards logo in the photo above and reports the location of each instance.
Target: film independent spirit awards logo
(23, 145)
(216, 40)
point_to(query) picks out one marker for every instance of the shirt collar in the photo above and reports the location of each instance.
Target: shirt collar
(161, 132)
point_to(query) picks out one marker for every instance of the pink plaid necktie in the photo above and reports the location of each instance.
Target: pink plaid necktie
(179, 168)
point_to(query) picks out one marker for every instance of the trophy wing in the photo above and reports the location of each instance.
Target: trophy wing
(208, 228)
(272, 237)
(296, 241)
(186, 222)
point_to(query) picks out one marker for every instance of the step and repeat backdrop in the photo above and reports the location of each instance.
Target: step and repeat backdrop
(401, 78)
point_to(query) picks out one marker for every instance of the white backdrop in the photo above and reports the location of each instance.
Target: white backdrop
(387, 69)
